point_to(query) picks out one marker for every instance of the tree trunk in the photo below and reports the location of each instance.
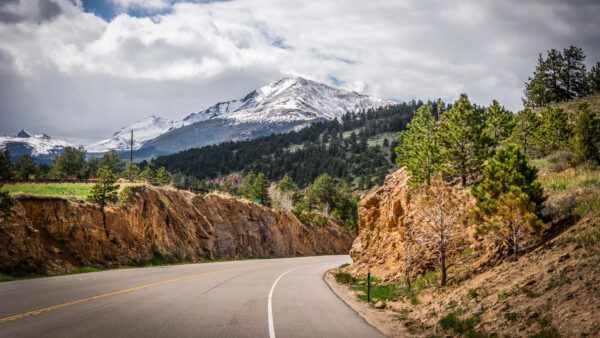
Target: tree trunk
(516, 246)
(408, 278)
(443, 266)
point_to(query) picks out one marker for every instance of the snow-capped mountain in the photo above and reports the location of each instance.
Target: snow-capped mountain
(143, 131)
(286, 105)
(42, 147)
(282, 106)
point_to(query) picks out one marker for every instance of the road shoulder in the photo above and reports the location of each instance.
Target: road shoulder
(384, 320)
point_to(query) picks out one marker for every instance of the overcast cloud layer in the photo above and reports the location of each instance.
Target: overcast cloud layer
(80, 77)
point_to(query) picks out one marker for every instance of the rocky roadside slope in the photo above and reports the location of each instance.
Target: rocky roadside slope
(54, 235)
(552, 290)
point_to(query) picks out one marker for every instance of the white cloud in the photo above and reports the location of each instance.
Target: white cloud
(74, 75)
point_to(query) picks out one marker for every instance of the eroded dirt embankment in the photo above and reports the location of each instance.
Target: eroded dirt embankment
(51, 235)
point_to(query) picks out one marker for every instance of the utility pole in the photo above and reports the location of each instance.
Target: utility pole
(131, 148)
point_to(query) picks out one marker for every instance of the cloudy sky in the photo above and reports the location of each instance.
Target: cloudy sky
(80, 70)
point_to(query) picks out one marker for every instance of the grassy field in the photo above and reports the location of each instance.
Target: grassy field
(78, 191)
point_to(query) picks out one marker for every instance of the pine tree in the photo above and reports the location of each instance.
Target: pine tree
(25, 167)
(510, 199)
(323, 192)
(6, 168)
(260, 189)
(418, 149)
(104, 191)
(594, 78)
(131, 172)
(555, 128)
(498, 123)
(573, 75)
(537, 87)
(526, 132)
(70, 162)
(6, 202)
(586, 143)
(463, 145)
(113, 160)
(126, 197)
(162, 176)
(246, 189)
(91, 166)
(149, 173)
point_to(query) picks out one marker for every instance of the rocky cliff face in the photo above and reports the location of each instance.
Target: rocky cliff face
(50, 235)
(379, 246)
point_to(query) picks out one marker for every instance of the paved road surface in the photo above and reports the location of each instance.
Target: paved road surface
(226, 299)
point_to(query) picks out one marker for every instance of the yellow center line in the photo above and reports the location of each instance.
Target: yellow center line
(118, 292)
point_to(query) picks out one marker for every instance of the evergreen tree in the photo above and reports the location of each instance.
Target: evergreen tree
(162, 176)
(594, 78)
(6, 202)
(91, 166)
(526, 132)
(113, 160)
(573, 75)
(287, 184)
(70, 162)
(499, 123)
(149, 173)
(6, 168)
(323, 192)
(260, 189)
(126, 197)
(463, 145)
(508, 167)
(586, 143)
(25, 167)
(418, 149)
(132, 172)
(555, 128)
(104, 191)
(537, 87)
(246, 189)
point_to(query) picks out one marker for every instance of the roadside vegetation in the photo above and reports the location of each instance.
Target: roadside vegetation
(526, 179)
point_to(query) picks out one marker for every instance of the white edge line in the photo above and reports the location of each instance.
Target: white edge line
(270, 303)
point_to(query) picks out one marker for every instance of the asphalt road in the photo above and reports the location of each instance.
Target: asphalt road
(255, 298)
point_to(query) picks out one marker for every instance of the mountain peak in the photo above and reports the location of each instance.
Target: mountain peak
(23, 134)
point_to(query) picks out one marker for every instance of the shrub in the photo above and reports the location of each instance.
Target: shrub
(163, 202)
(126, 197)
(346, 278)
(551, 332)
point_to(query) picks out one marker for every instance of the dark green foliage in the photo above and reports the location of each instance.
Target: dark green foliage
(301, 154)
(6, 202)
(508, 167)
(256, 188)
(70, 162)
(346, 278)
(595, 78)
(586, 143)
(6, 169)
(25, 167)
(323, 193)
(555, 129)
(418, 149)
(113, 160)
(452, 322)
(499, 123)
(526, 132)
(132, 172)
(463, 144)
(149, 173)
(162, 176)
(91, 166)
(286, 184)
(561, 76)
(126, 197)
(105, 190)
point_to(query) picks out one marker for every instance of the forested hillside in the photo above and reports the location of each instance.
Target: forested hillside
(358, 150)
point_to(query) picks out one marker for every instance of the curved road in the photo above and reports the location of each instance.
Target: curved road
(256, 298)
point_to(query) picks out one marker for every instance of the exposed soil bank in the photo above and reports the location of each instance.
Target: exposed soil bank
(53, 235)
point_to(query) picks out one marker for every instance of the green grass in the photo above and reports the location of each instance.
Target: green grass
(67, 190)
(551, 332)
(345, 278)
(452, 322)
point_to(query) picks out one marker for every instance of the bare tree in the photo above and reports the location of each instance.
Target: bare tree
(440, 214)
(412, 249)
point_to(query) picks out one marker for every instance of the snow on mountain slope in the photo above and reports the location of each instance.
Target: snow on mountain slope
(142, 131)
(289, 102)
(295, 99)
(38, 146)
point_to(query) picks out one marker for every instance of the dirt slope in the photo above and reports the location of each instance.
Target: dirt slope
(50, 235)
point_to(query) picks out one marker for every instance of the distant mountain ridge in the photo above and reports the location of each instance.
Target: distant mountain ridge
(42, 147)
(289, 104)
